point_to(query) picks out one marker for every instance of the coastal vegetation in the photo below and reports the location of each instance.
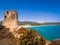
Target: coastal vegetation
(29, 37)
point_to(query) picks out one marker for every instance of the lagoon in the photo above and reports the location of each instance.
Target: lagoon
(49, 32)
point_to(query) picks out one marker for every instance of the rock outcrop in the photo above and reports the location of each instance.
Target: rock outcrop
(12, 34)
(6, 37)
(55, 42)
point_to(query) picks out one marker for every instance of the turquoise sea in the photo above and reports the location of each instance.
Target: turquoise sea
(50, 32)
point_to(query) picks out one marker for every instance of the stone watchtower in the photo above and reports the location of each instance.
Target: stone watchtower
(10, 19)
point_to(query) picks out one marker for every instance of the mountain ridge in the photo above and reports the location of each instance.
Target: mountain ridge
(34, 23)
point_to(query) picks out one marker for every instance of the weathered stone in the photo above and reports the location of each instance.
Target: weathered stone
(10, 19)
(7, 37)
(55, 42)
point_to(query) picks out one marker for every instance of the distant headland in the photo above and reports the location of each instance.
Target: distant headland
(36, 23)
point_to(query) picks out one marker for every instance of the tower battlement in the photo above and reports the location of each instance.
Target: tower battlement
(10, 19)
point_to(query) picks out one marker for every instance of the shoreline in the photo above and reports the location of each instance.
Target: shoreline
(25, 26)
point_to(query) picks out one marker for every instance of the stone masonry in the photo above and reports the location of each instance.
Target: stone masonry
(10, 19)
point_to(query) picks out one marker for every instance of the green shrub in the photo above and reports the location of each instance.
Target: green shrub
(31, 37)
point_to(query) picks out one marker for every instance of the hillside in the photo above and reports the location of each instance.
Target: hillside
(29, 37)
(35, 23)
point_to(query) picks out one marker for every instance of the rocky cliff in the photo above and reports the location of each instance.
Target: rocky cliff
(27, 37)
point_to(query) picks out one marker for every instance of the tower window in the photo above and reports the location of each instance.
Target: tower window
(7, 12)
(5, 16)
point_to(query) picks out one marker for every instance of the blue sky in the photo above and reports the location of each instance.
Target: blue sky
(33, 10)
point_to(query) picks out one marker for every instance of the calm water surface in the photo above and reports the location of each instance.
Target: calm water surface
(50, 32)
